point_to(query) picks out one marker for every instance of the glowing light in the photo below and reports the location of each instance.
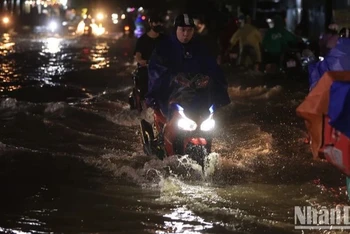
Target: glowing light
(178, 218)
(80, 27)
(53, 26)
(5, 20)
(52, 45)
(126, 28)
(63, 2)
(130, 9)
(208, 124)
(123, 16)
(143, 17)
(100, 16)
(96, 30)
(185, 123)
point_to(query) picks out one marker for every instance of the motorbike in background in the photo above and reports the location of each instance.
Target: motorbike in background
(298, 57)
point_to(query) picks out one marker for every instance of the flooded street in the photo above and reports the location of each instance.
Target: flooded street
(71, 160)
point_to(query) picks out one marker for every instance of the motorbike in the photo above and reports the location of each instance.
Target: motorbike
(297, 58)
(292, 60)
(189, 126)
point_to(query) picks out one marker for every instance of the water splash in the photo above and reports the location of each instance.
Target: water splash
(55, 107)
(8, 103)
(254, 93)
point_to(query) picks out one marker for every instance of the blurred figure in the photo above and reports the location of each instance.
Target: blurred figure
(144, 48)
(329, 39)
(277, 41)
(338, 59)
(208, 38)
(87, 24)
(249, 39)
(224, 41)
(88, 19)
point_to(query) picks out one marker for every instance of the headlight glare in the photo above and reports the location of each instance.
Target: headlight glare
(187, 124)
(208, 124)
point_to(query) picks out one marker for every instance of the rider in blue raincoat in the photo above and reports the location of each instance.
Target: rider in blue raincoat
(338, 59)
(182, 53)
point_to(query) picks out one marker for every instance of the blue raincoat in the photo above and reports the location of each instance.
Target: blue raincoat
(171, 58)
(338, 59)
(339, 107)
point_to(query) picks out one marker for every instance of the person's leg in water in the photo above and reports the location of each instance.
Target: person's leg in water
(272, 62)
(143, 82)
(142, 86)
(253, 55)
(248, 56)
(242, 57)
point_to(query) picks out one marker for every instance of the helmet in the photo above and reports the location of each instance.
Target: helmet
(344, 32)
(184, 20)
(155, 19)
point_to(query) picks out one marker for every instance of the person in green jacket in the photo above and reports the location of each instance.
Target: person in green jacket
(276, 42)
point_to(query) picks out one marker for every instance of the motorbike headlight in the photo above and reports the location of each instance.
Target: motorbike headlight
(53, 26)
(208, 124)
(186, 123)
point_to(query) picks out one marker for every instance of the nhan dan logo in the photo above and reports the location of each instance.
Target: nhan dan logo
(309, 217)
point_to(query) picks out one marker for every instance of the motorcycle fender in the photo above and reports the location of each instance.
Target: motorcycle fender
(195, 141)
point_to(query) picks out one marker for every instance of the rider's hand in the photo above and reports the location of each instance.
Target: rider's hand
(182, 80)
(143, 63)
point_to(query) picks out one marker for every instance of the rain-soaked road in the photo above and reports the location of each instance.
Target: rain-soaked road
(71, 161)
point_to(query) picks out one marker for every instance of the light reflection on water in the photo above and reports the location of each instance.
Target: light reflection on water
(52, 45)
(3, 230)
(48, 58)
(180, 215)
(6, 45)
(7, 67)
(98, 56)
(180, 207)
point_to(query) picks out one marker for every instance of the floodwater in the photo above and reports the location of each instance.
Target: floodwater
(71, 159)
